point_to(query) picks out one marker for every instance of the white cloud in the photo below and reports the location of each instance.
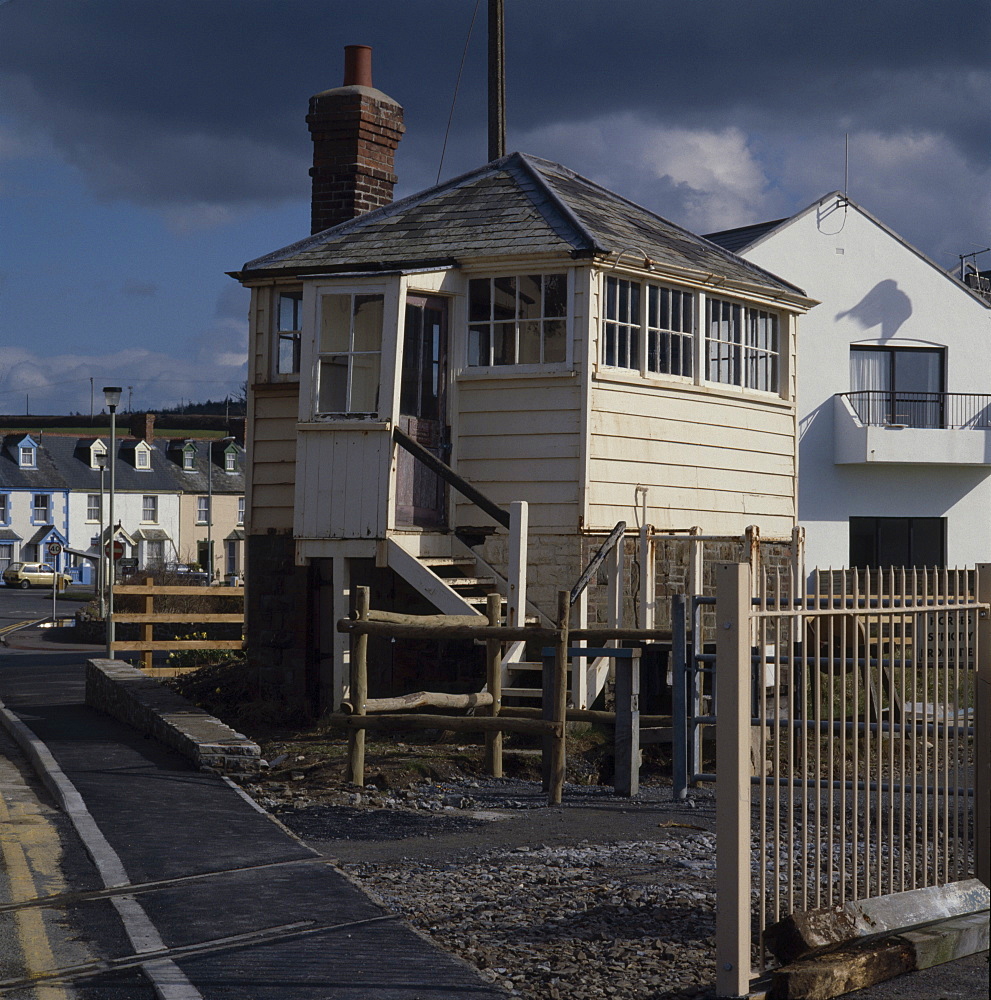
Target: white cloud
(700, 178)
(66, 383)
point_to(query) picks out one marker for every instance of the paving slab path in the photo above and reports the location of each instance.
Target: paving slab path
(216, 899)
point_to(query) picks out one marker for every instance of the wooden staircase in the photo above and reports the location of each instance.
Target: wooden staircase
(458, 582)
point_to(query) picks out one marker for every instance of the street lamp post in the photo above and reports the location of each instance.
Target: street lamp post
(111, 393)
(101, 461)
(209, 511)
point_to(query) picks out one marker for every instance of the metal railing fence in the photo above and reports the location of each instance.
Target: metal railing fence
(950, 410)
(855, 736)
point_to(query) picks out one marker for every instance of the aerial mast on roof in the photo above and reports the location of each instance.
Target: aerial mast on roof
(497, 80)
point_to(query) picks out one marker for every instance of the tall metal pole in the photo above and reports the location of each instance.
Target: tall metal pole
(112, 396)
(497, 80)
(209, 512)
(99, 547)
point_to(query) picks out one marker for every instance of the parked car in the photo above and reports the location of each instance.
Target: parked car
(26, 574)
(190, 577)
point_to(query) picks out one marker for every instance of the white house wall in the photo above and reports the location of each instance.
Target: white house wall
(128, 509)
(875, 290)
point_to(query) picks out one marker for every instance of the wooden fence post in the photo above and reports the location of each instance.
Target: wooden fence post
(493, 679)
(733, 692)
(359, 692)
(559, 705)
(147, 631)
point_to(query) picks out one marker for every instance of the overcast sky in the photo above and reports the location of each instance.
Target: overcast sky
(148, 146)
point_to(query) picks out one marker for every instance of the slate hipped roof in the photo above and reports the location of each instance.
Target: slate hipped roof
(516, 205)
(63, 464)
(739, 239)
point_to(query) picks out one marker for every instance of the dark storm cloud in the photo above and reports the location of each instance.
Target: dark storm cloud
(203, 101)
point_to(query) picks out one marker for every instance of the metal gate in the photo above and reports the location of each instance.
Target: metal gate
(845, 762)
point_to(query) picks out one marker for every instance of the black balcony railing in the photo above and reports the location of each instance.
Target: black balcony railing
(950, 410)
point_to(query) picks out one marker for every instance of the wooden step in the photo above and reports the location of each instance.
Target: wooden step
(469, 581)
(515, 692)
(524, 665)
(447, 561)
(478, 600)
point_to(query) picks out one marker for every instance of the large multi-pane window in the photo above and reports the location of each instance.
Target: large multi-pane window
(621, 331)
(93, 506)
(289, 321)
(741, 345)
(670, 330)
(149, 508)
(202, 509)
(349, 353)
(666, 314)
(519, 319)
(6, 555)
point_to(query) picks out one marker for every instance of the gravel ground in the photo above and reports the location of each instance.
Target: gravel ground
(608, 897)
(599, 897)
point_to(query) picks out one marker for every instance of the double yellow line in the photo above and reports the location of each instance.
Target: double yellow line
(30, 847)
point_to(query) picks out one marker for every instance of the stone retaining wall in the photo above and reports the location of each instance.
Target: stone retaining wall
(132, 697)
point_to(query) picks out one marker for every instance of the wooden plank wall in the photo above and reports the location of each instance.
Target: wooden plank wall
(519, 439)
(273, 457)
(718, 459)
(345, 490)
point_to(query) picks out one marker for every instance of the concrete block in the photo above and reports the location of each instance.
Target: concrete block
(127, 694)
(805, 932)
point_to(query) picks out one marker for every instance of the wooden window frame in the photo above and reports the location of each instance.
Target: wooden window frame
(477, 325)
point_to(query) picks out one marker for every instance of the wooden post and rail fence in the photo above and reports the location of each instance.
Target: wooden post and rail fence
(148, 618)
(361, 713)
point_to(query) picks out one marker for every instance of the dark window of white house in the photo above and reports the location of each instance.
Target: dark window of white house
(350, 353)
(93, 506)
(4, 508)
(897, 541)
(897, 385)
(741, 345)
(519, 319)
(290, 324)
(149, 508)
(6, 555)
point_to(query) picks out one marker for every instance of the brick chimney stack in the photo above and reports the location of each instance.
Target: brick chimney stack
(355, 131)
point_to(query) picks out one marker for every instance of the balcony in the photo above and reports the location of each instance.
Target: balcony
(912, 428)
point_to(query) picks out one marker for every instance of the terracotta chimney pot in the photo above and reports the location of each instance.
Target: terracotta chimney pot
(357, 66)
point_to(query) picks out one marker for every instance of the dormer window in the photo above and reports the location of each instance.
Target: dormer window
(27, 454)
(97, 455)
(189, 457)
(230, 459)
(142, 456)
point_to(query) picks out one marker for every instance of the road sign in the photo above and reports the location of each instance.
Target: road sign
(118, 550)
(54, 548)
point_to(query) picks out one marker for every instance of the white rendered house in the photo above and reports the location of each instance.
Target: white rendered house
(894, 394)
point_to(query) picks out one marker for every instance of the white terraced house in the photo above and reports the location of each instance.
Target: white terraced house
(545, 339)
